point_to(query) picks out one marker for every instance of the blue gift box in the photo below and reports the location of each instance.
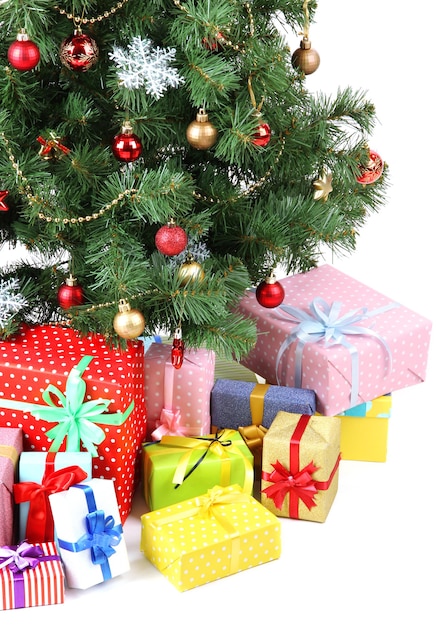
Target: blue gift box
(237, 403)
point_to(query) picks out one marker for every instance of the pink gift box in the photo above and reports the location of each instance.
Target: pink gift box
(11, 446)
(339, 337)
(178, 400)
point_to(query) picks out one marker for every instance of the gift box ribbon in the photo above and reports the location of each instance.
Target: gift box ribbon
(298, 483)
(102, 534)
(18, 559)
(324, 323)
(40, 522)
(9, 452)
(169, 419)
(220, 444)
(76, 420)
(253, 435)
(211, 505)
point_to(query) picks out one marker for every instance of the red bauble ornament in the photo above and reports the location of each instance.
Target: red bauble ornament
(270, 293)
(171, 239)
(262, 135)
(23, 54)
(177, 349)
(70, 294)
(372, 171)
(126, 146)
(79, 52)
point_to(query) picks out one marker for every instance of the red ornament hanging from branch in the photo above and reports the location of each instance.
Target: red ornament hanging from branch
(270, 293)
(70, 293)
(372, 171)
(79, 52)
(126, 146)
(177, 349)
(171, 239)
(23, 54)
(3, 194)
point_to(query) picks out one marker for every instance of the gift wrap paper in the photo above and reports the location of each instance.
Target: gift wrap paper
(46, 369)
(364, 430)
(11, 446)
(189, 390)
(339, 337)
(300, 464)
(213, 536)
(179, 468)
(237, 403)
(90, 534)
(41, 473)
(41, 581)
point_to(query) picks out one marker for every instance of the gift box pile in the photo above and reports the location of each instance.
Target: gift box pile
(221, 447)
(72, 393)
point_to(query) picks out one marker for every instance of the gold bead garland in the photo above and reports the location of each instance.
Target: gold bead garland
(84, 20)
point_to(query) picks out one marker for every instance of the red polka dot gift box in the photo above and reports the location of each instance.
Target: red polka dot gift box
(339, 337)
(74, 393)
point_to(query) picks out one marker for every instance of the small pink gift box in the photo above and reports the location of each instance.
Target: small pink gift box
(333, 334)
(178, 400)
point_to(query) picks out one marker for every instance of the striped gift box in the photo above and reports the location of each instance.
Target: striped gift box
(31, 575)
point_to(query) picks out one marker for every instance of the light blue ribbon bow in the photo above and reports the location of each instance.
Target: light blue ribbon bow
(325, 323)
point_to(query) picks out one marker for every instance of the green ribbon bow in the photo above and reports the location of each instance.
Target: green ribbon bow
(76, 420)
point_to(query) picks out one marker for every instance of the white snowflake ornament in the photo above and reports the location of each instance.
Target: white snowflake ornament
(10, 300)
(142, 65)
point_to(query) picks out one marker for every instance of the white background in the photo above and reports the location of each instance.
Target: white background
(378, 559)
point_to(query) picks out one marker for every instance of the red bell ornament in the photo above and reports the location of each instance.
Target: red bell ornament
(79, 52)
(270, 293)
(23, 54)
(70, 294)
(127, 146)
(171, 239)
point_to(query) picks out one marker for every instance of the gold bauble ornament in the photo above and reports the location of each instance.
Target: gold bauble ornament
(201, 134)
(191, 270)
(128, 323)
(305, 57)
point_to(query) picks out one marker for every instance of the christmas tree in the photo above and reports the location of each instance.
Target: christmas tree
(158, 158)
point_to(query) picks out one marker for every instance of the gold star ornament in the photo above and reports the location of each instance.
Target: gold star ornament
(323, 187)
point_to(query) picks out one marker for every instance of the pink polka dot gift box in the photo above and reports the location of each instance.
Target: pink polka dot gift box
(339, 337)
(73, 393)
(178, 400)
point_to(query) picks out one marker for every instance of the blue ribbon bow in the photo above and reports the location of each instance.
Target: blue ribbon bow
(324, 322)
(102, 534)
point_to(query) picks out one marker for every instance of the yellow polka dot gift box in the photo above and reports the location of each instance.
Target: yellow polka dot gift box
(70, 393)
(220, 533)
(300, 466)
(179, 468)
(339, 337)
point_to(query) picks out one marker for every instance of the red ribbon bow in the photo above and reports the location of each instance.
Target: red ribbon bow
(301, 484)
(40, 523)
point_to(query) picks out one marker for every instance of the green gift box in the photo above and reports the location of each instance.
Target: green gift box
(179, 468)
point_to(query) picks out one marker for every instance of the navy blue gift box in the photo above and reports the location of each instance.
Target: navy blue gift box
(235, 403)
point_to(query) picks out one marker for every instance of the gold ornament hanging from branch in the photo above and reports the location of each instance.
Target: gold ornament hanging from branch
(305, 57)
